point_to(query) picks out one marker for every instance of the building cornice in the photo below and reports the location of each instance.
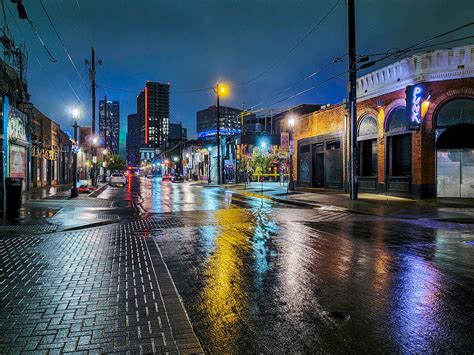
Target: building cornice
(435, 65)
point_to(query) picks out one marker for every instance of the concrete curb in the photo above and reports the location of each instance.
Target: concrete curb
(97, 192)
(91, 225)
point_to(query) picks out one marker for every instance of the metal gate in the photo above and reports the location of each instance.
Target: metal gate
(455, 173)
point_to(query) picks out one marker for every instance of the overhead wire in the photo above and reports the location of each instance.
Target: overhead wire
(396, 53)
(63, 45)
(293, 48)
(393, 52)
(268, 69)
(313, 74)
(51, 57)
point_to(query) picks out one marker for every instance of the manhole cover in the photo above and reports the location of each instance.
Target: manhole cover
(338, 316)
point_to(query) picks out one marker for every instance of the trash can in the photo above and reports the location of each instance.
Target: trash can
(13, 189)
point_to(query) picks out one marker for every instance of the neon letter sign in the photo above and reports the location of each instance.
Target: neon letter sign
(413, 97)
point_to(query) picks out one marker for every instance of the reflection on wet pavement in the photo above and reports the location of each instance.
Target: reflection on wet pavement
(260, 277)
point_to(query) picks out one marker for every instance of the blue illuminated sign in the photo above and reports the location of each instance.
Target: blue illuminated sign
(414, 94)
(223, 132)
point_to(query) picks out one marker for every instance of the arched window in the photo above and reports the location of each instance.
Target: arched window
(397, 120)
(367, 138)
(367, 127)
(457, 111)
(399, 157)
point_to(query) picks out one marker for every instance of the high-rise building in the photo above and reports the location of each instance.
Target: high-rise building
(177, 132)
(109, 125)
(153, 111)
(133, 140)
(207, 119)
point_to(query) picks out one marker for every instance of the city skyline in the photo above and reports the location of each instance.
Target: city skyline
(194, 63)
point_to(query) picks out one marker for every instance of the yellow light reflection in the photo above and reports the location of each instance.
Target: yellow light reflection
(223, 296)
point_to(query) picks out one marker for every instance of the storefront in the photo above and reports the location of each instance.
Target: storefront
(415, 129)
(17, 144)
(398, 155)
(320, 161)
(455, 148)
(368, 153)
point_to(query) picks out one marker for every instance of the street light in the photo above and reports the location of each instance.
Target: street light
(209, 180)
(291, 125)
(75, 117)
(222, 89)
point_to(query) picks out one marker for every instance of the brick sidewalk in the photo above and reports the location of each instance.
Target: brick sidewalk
(102, 289)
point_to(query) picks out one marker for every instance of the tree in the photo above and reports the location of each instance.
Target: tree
(116, 163)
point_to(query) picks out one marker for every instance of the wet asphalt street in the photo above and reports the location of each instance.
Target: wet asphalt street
(256, 276)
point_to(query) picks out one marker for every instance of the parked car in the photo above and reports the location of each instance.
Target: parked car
(118, 179)
(177, 178)
(84, 189)
(166, 177)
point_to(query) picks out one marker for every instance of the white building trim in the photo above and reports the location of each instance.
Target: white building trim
(435, 65)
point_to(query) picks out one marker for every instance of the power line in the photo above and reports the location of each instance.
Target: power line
(292, 49)
(335, 60)
(77, 96)
(51, 57)
(446, 42)
(396, 53)
(137, 92)
(311, 88)
(276, 63)
(4, 14)
(62, 44)
(390, 53)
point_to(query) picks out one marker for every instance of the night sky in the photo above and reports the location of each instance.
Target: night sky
(194, 43)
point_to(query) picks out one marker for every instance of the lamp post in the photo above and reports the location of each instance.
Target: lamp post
(104, 164)
(263, 145)
(220, 90)
(95, 142)
(75, 118)
(209, 180)
(187, 166)
(291, 125)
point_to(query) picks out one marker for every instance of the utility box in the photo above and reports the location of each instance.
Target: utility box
(14, 189)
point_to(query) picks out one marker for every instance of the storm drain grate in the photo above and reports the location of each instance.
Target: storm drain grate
(107, 217)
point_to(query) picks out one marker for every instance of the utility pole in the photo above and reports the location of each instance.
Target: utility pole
(106, 127)
(218, 138)
(352, 99)
(91, 65)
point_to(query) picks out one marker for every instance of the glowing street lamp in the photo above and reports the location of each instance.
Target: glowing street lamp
(291, 126)
(75, 117)
(221, 90)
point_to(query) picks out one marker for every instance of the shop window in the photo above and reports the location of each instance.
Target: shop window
(455, 112)
(367, 137)
(397, 120)
(399, 142)
(305, 149)
(368, 157)
(399, 155)
(334, 144)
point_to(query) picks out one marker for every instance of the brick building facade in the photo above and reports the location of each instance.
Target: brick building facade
(425, 152)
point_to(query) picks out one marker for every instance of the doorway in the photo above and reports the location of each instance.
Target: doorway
(318, 170)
